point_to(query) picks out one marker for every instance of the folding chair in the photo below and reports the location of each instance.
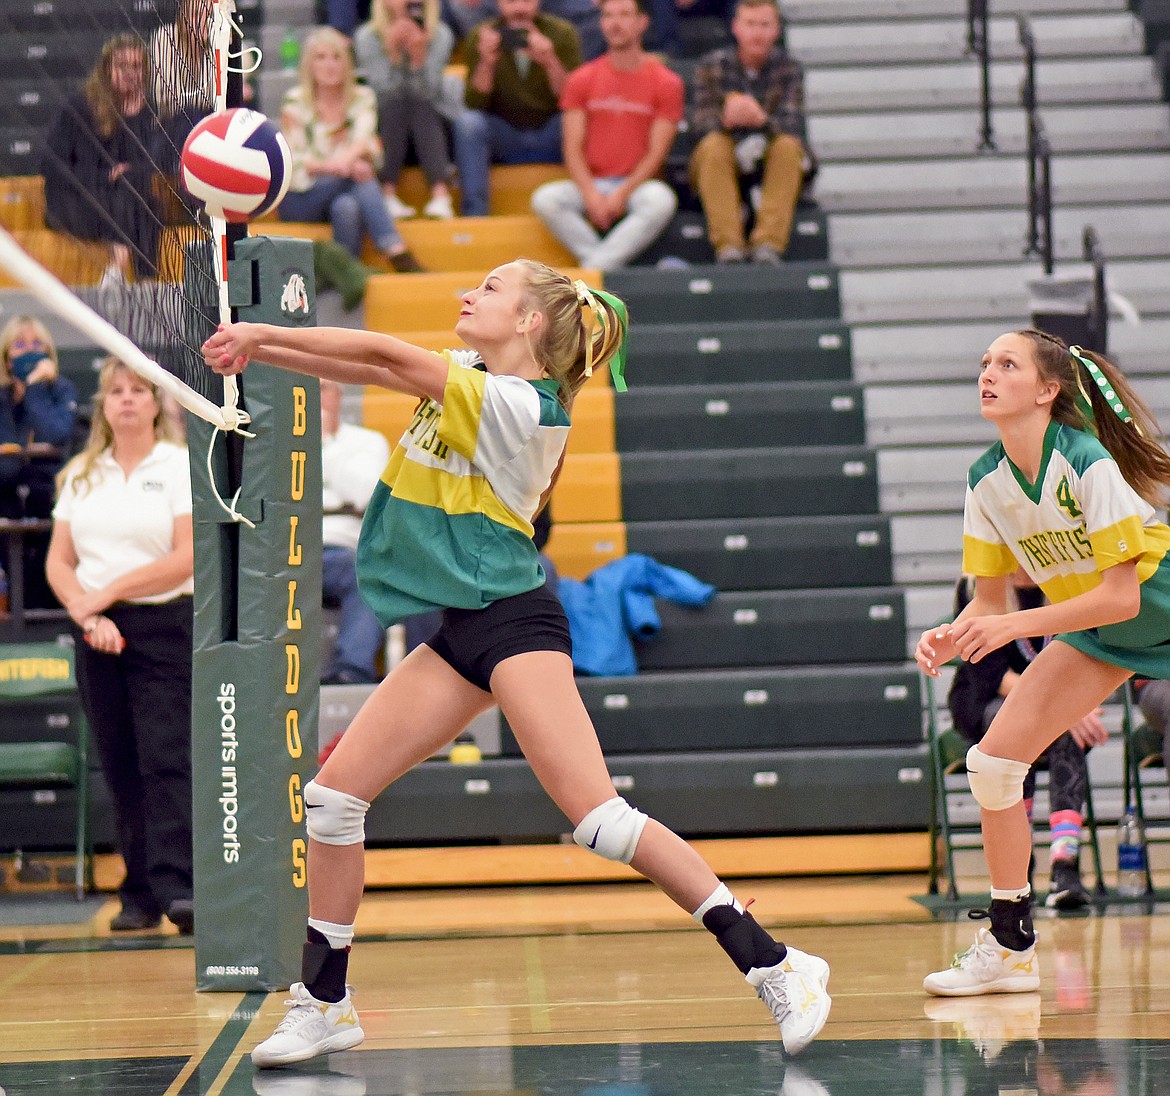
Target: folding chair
(38, 692)
(1145, 773)
(948, 751)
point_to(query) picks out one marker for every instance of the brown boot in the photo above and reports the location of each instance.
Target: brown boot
(405, 263)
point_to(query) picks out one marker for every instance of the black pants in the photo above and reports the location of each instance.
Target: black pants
(403, 121)
(138, 705)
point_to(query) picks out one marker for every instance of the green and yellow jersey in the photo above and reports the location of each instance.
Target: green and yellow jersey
(450, 523)
(1079, 518)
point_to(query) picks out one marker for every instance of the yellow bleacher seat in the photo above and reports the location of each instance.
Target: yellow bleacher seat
(302, 230)
(578, 549)
(479, 243)
(22, 202)
(589, 489)
(510, 186)
(593, 426)
(75, 262)
(428, 302)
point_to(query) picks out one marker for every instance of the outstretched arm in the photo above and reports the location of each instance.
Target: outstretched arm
(337, 353)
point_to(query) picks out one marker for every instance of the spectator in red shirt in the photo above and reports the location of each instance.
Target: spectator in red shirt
(620, 115)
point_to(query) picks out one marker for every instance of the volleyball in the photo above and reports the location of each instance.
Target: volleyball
(237, 163)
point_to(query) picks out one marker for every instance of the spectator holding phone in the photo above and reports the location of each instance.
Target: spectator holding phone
(402, 52)
(517, 67)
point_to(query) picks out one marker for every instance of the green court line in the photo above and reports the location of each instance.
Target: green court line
(215, 1057)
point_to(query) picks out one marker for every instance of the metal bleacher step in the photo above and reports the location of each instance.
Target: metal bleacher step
(1088, 34)
(907, 294)
(761, 553)
(926, 547)
(737, 553)
(863, 11)
(728, 292)
(751, 709)
(728, 416)
(706, 792)
(779, 628)
(927, 87)
(47, 16)
(947, 413)
(991, 182)
(734, 351)
(890, 353)
(739, 483)
(909, 135)
(995, 235)
(924, 478)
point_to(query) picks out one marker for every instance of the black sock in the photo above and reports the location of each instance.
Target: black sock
(739, 935)
(1011, 923)
(323, 968)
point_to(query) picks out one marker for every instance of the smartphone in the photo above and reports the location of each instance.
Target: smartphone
(416, 10)
(513, 38)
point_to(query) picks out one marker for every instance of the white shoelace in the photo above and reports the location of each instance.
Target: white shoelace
(979, 956)
(776, 998)
(299, 1011)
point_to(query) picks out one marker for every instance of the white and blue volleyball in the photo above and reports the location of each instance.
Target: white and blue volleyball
(237, 163)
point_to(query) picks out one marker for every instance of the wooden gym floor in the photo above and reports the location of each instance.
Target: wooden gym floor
(603, 990)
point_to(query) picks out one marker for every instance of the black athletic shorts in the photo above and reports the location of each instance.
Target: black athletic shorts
(474, 642)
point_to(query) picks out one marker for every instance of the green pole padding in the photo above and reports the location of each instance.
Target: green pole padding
(257, 661)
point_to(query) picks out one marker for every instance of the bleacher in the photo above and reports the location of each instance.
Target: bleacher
(798, 437)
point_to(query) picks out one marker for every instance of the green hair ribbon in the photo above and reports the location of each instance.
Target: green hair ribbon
(591, 314)
(1111, 397)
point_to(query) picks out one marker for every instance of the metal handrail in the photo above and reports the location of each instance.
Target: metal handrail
(1099, 308)
(1039, 154)
(1042, 199)
(979, 43)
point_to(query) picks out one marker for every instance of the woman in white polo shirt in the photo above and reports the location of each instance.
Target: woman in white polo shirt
(120, 561)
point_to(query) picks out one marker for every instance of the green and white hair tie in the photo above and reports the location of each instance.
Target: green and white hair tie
(1107, 390)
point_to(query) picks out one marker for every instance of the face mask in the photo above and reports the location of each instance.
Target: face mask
(23, 364)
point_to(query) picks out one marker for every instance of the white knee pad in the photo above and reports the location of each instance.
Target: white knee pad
(333, 817)
(611, 830)
(996, 782)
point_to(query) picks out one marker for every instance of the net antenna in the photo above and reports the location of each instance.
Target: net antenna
(223, 27)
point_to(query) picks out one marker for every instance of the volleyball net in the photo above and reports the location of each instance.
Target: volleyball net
(99, 240)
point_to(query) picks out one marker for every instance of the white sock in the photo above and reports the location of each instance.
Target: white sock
(1011, 895)
(339, 936)
(720, 896)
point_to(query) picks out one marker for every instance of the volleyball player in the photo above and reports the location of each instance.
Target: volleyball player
(1067, 495)
(449, 527)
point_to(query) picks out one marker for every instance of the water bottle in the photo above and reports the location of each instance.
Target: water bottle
(290, 50)
(1131, 856)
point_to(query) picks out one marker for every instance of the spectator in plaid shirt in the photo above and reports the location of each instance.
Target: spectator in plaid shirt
(747, 112)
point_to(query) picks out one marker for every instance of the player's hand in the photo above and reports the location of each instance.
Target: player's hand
(1090, 731)
(935, 648)
(976, 637)
(229, 350)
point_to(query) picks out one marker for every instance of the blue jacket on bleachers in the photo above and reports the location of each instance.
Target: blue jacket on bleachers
(615, 605)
